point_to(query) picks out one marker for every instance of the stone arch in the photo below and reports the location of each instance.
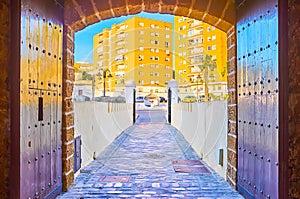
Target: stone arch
(81, 13)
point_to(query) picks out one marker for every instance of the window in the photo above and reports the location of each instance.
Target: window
(156, 34)
(152, 34)
(167, 75)
(184, 61)
(100, 63)
(100, 49)
(156, 42)
(208, 38)
(213, 27)
(167, 44)
(180, 54)
(191, 32)
(141, 57)
(121, 51)
(167, 59)
(141, 24)
(167, 36)
(141, 32)
(208, 47)
(151, 74)
(157, 50)
(120, 43)
(214, 47)
(152, 58)
(152, 26)
(167, 28)
(157, 58)
(214, 37)
(168, 52)
(141, 48)
(208, 29)
(141, 73)
(141, 40)
(141, 65)
(156, 74)
(119, 58)
(141, 81)
(152, 66)
(152, 50)
(156, 66)
(184, 54)
(167, 67)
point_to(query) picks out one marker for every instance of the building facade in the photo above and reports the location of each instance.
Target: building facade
(193, 41)
(137, 49)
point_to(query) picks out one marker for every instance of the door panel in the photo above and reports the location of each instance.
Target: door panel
(257, 73)
(40, 110)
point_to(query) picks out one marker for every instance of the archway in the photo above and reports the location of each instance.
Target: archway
(220, 14)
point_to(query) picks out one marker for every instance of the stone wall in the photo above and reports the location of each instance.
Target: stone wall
(294, 98)
(232, 108)
(68, 112)
(4, 97)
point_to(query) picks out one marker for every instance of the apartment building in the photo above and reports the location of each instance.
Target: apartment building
(138, 49)
(193, 40)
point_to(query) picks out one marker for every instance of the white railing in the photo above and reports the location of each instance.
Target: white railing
(204, 126)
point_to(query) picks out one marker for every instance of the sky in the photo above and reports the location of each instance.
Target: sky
(84, 38)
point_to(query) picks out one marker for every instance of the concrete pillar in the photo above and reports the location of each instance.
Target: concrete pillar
(130, 86)
(173, 85)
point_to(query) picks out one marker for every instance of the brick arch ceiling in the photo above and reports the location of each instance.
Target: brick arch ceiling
(82, 13)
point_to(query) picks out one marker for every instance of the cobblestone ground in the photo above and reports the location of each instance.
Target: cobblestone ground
(138, 164)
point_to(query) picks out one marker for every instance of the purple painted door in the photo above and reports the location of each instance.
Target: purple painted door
(40, 97)
(257, 62)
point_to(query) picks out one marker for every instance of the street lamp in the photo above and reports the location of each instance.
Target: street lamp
(104, 78)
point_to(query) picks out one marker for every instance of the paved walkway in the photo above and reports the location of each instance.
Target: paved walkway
(140, 163)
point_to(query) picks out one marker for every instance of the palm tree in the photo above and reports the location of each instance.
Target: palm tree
(207, 64)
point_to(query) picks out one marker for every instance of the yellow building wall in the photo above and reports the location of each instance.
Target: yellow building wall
(141, 43)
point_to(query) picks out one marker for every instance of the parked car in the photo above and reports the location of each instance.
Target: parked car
(162, 99)
(189, 99)
(82, 98)
(151, 100)
(201, 98)
(139, 99)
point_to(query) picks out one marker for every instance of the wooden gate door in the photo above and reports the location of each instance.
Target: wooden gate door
(41, 99)
(257, 61)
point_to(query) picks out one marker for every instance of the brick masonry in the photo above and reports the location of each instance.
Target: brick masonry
(232, 109)
(294, 98)
(68, 115)
(4, 98)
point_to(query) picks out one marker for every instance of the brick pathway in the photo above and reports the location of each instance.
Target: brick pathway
(138, 164)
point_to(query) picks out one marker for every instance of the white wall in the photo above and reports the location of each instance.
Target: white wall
(99, 124)
(204, 125)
